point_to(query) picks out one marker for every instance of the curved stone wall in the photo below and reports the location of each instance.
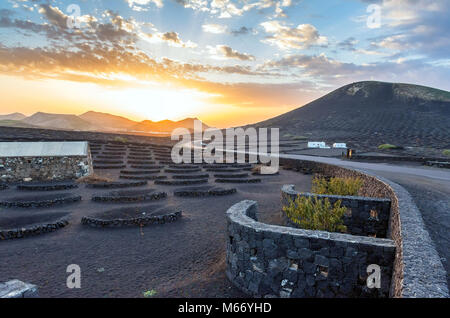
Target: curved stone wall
(365, 216)
(417, 269)
(276, 261)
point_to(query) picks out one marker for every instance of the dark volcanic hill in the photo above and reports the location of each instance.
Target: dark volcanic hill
(367, 114)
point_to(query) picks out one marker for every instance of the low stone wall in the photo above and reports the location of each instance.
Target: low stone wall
(439, 164)
(367, 216)
(236, 180)
(43, 201)
(18, 289)
(188, 192)
(418, 270)
(15, 169)
(130, 196)
(33, 230)
(138, 221)
(46, 186)
(275, 261)
(116, 185)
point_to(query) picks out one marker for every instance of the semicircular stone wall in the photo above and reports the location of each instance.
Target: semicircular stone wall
(276, 261)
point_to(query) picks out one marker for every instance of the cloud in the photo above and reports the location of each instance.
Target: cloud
(415, 27)
(54, 15)
(348, 44)
(301, 37)
(321, 68)
(260, 94)
(227, 8)
(228, 52)
(171, 38)
(241, 31)
(140, 5)
(214, 28)
(131, 68)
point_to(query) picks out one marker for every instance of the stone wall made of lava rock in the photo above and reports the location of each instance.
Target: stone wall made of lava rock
(15, 169)
(368, 216)
(274, 261)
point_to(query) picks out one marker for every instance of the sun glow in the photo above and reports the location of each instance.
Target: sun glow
(158, 103)
(146, 100)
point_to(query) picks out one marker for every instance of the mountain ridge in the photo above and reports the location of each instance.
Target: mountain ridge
(94, 121)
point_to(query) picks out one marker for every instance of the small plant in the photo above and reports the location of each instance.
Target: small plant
(92, 179)
(336, 186)
(387, 146)
(295, 137)
(316, 214)
(257, 169)
(149, 293)
(121, 139)
(446, 152)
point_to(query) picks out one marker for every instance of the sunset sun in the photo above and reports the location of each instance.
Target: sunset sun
(158, 103)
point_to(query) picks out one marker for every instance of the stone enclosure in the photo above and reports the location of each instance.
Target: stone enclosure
(275, 261)
(366, 216)
(44, 161)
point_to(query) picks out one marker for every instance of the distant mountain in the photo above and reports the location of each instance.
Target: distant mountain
(94, 121)
(166, 125)
(366, 114)
(15, 123)
(13, 116)
(107, 121)
(59, 121)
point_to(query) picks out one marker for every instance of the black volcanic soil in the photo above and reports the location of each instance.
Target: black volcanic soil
(37, 134)
(181, 259)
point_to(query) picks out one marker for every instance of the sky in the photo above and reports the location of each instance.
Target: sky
(226, 62)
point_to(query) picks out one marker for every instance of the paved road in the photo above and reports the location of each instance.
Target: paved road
(429, 187)
(435, 174)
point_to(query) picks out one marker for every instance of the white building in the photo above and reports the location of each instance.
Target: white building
(316, 144)
(340, 145)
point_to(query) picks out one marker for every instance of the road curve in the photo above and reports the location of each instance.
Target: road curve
(425, 172)
(429, 188)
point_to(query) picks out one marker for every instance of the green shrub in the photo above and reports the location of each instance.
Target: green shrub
(316, 214)
(336, 186)
(387, 146)
(446, 152)
(149, 293)
(300, 138)
(121, 139)
(295, 137)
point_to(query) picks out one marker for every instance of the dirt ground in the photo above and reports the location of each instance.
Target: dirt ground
(181, 259)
